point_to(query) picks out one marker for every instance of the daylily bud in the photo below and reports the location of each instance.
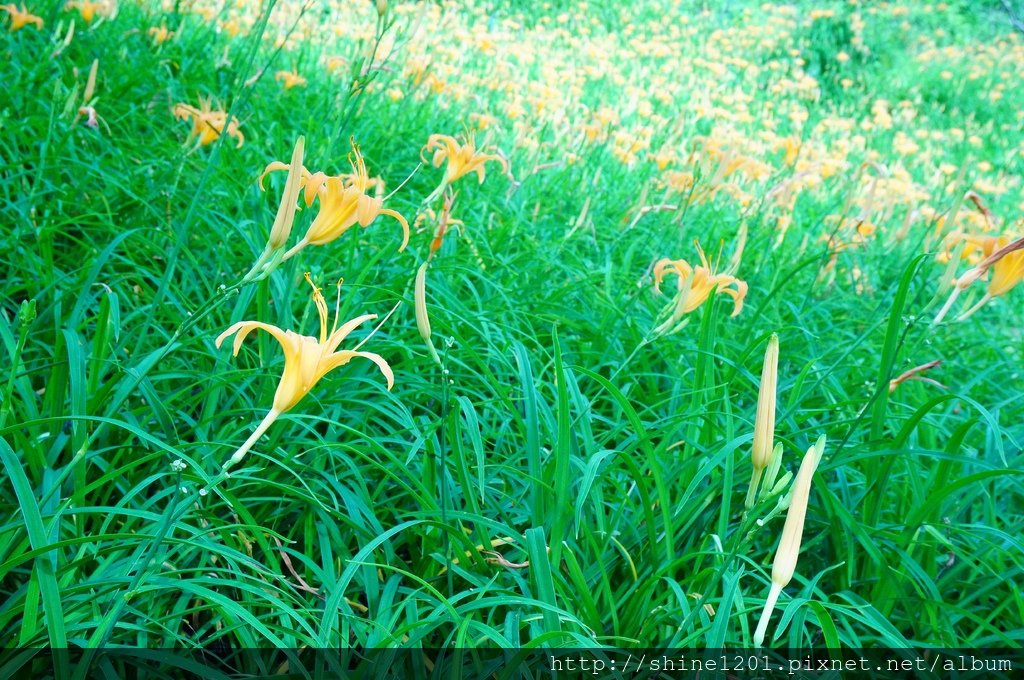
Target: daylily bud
(774, 464)
(764, 422)
(777, 488)
(422, 320)
(382, 8)
(792, 534)
(90, 83)
(289, 200)
(27, 312)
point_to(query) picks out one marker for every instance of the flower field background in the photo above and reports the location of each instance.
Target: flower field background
(564, 456)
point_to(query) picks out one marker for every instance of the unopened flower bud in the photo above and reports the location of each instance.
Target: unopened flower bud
(289, 200)
(764, 422)
(792, 534)
(422, 320)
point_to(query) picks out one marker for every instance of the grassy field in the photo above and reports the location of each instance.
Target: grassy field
(572, 469)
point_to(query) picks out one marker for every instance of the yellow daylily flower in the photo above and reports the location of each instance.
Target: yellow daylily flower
(21, 17)
(973, 245)
(344, 202)
(483, 120)
(207, 124)
(160, 35)
(1007, 269)
(289, 79)
(695, 286)
(1005, 259)
(306, 360)
(335, 63)
(791, 145)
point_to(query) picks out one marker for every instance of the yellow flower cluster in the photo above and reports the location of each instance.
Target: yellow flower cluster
(344, 201)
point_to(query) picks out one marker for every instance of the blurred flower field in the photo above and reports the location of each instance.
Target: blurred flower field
(561, 324)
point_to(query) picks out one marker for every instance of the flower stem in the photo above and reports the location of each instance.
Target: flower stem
(295, 250)
(643, 343)
(972, 310)
(267, 421)
(945, 308)
(436, 192)
(766, 614)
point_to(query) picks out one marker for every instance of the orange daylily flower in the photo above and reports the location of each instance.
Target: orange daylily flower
(695, 286)
(208, 124)
(344, 202)
(306, 360)
(160, 35)
(289, 79)
(88, 8)
(462, 159)
(21, 17)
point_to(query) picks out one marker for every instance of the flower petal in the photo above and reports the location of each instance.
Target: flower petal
(341, 358)
(342, 332)
(243, 328)
(403, 222)
(271, 167)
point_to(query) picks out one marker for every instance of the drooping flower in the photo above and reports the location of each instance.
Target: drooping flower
(443, 223)
(1005, 259)
(792, 534)
(915, 374)
(695, 286)
(87, 109)
(344, 202)
(306, 360)
(208, 124)
(21, 17)
(91, 119)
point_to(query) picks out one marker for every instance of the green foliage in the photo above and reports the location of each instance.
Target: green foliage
(614, 463)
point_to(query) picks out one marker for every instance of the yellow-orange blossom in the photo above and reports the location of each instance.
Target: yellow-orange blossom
(695, 286)
(21, 17)
(343, 202)
(306, 361)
